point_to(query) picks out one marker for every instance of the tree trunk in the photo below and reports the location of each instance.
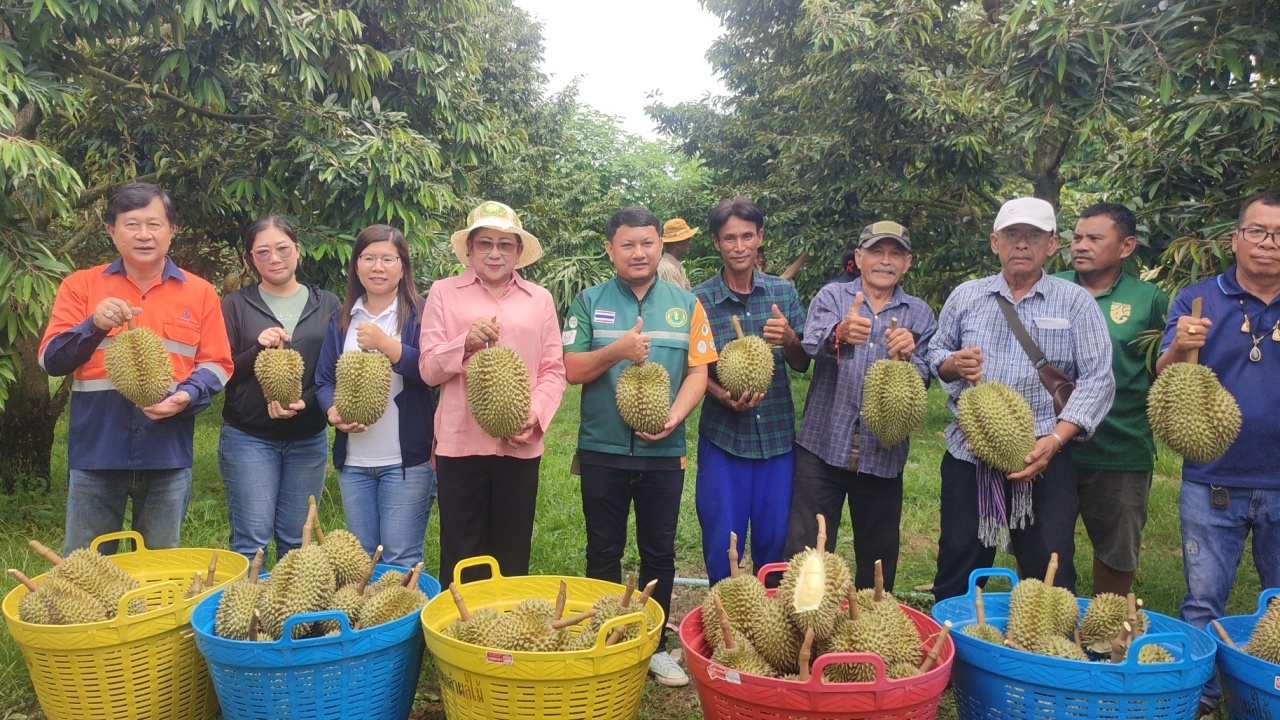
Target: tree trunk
(27, 422)
(1046, 158)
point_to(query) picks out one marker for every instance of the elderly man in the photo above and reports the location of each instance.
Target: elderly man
(1238, 337)
(115, 449)
(635, 318)
(850, 326)
(1113, 469)
(977, 342)
(746, 454)
(677, 238)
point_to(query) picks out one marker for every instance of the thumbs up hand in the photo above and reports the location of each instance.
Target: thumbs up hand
(634, 345)
(854, 329)
(777, 331)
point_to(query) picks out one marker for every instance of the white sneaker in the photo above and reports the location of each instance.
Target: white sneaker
(667, 671)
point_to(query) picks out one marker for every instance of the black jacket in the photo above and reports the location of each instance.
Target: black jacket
(247, 315)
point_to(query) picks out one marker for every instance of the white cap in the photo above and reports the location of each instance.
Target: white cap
(1031, 211)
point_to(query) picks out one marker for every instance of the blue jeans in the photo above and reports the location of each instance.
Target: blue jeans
(732, 492)
(96, 500)
(389, 506)
(268, 483)
(1212, 545)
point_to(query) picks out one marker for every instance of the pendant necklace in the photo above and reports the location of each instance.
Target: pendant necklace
(1255, 355)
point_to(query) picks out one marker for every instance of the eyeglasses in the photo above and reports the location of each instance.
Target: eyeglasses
(284, 252)
(504, 247)
(386, 260)
(1032, 237)
(1256, 235)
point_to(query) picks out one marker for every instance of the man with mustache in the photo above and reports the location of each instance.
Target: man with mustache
(1113, 470)
(1033, 510)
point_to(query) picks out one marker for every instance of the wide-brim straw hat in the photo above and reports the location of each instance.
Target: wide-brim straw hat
(492, 214)
(676, 229)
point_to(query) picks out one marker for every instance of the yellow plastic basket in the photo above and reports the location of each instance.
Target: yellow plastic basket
(144, 667)
(478, 684)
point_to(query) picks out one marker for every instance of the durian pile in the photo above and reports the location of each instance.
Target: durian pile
(362, 386)
(1264, 643)
(86, 587)
(1046, 620)
(498, 392)
(138, 365)
(536, 625)
(643, 395)
(332, 574)
(748, 631)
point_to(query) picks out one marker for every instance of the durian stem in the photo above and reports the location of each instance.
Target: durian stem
(1131, 614)
(615, 636)
(311, 502)
(806, 651)
(852, 594)
(1010, 642)
(494, 320)
(368, 574)
(1120, 643)
(213, 566)
(932, 657)
(17, 574)
(726, 632)
(561, 598)
(255, 567)
(631, 589)
(879, 596)
(822, 534)
(648, 590)
(1075, 635)
(737, 326)
(308, 526)
(133, 325)
(893, 325)
(463, 612)
(1222, 633)
(254, 621)
(1193, 355)
(573, 619)
(1052, 570)
(44, 552)
(197, 584)
(979, 607)
(411, 580)
(734, 570)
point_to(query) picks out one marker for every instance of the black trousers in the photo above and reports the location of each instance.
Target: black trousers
(875, 510)
(607, 494)
(486, 508)
(1053, 502)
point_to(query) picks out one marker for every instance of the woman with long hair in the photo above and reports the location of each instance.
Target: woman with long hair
(272, 457)
(387, 484)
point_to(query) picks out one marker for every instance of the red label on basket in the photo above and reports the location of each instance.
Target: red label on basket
(715, 672)
(1277, 682)
(499, 658)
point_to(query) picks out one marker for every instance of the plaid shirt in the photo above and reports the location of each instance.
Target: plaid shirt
(1063, 320)
(769, 429)
(832, 411)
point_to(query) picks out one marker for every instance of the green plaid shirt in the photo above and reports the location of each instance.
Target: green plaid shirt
(769, 429)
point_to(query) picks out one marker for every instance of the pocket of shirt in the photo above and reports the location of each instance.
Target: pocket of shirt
(1052, 323)
(183, 335)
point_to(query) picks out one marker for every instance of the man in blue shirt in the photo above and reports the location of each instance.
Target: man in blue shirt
(1238, 336)
(746, 453)
(974, 342)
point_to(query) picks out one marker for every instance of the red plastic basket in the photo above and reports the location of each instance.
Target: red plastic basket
(728, 695)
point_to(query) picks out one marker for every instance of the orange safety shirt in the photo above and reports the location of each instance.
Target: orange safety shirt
(107, 431)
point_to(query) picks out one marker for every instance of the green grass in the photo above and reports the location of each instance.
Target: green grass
(559, 541)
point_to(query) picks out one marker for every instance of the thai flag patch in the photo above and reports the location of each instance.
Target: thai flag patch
(603, 317)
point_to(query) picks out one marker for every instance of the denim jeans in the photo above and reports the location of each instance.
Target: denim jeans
(389, 506)
(268, 483)
(96, 500)
(1212, 545)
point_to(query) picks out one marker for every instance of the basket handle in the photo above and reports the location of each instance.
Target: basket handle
(838, 658)
(122, 607)
(286, 632)
(1264, 598)
(769, 570)
(990, 572)
(612, 623)
(1165, 638)
(478, 561)
(138, 545)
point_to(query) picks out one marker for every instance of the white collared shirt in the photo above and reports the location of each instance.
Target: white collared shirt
(379, 445)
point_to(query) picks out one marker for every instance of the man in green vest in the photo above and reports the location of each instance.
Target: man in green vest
(1114, 467)
(635, 318)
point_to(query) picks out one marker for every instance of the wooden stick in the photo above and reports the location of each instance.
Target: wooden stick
(1217, 626)
(979, 606)
(255, 567)
(573, 619)
(734, 570)
(44, 552)
(932, 657)
(1052, 570)
(879, 596)
(24, 580)
(561, 597)
(463, 612)
(197, 585)
(806, 651)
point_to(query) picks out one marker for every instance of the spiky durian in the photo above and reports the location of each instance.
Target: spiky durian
(1101, 621)
(1153, 653)
(58, 601)
(813, 586)
(746, 365)
(363, 386)
(737, 652)
(1264, 642)
(302, 582)
(391, 604)
(138, 365)
(1066, 611)
(1056, 646)
(998, 424)
(97, 575)
(985, 632)
(894, 400)
(1030, 613)
(643, 396)
(388, 579)
(898, 671)
(498, 391)
(477, 630)
(775, 638)
(279, 373)
(1192, 413)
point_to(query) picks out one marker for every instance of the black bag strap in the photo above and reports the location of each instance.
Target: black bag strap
(1029, 346)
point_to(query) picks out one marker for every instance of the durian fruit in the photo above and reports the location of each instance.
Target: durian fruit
(762, 618)
(894, 400)
(898, 671)
(386, 580)
(1057, 646)
(532, 627)
(349, 598)
(998, 424)
(393, 603)
(737, 653)
(776, 639)
(97, 575)
(1264, 643)
(498, 391)
(473, 628)
(351, 564)
(363, 386)
(904, 645)
(279, 372)
(195, 588)
(858, 631)
(980, 629)
(237, 604)
(610, 606)
(1153, 653)
(1192, 413)
(745, 366)
(57, 601)
(304, 582)
(812, 587)
(138, 365)
(1030, 613)
(743, 597)
(643, 395)
(33, 608)
(1101, 621)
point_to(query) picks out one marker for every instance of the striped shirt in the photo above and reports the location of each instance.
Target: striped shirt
(832, 410)
(1063, 320)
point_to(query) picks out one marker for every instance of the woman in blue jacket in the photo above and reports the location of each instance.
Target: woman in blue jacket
(387, 484)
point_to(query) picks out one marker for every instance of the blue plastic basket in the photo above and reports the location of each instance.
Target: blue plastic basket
(370, 674)
(1250, 685)
(993, 681)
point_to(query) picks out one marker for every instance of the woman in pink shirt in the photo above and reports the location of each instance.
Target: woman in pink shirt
(487, 486)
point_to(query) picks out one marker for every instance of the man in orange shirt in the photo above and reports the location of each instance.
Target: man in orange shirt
(115, 449)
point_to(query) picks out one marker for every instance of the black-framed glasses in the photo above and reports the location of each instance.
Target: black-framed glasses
(1255, 235)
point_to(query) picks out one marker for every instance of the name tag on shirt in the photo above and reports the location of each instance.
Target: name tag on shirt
(1052, 323)
(568, 336)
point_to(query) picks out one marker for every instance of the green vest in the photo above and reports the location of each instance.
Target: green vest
(601, 315)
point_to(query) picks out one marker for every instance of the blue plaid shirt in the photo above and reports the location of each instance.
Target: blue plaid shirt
(832, 411)
(769, 429)
(1063, 320)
